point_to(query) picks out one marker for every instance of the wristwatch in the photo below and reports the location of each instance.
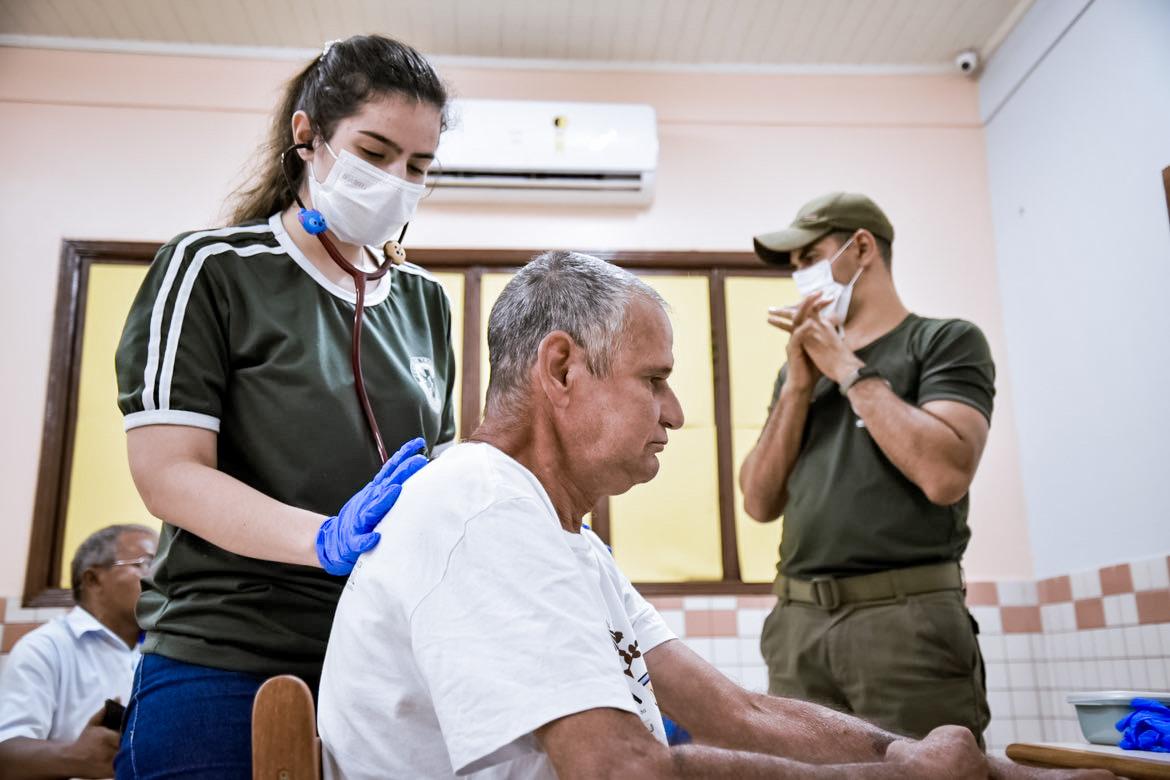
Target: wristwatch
(857, 375)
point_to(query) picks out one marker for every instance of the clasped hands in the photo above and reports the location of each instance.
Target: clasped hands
(815, 348)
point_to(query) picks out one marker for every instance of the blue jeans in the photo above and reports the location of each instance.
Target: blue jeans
(187, 721)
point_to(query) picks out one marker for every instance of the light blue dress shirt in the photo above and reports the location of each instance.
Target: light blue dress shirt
(58, 676)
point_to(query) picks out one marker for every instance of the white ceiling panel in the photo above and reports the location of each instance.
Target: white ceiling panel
(717, 33)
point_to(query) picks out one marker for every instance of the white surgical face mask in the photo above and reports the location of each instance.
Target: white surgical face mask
(818, 277)
(361, 203)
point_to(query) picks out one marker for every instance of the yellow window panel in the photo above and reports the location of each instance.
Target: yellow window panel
(755, 354)
(667, 530)
(490, 287)
(689, 299)
(755, 348)
(453, 284)
(758, 543)
(101, 491)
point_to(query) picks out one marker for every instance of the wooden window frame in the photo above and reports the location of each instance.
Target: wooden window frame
(60, 422)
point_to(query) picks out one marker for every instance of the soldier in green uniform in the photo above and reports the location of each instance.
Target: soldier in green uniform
(238, 388)
(878, 421)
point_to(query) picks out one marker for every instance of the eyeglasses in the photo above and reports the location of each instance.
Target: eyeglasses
(142, 564)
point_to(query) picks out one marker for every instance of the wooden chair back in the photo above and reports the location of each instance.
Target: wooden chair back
(285, 745)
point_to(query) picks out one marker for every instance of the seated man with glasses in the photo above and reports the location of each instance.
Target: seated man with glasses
(56, 681)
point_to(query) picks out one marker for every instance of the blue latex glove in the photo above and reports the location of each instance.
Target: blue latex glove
(1146, 727)
(675, 734)
(349, 533)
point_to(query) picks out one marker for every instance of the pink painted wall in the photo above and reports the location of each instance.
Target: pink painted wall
(141, 147)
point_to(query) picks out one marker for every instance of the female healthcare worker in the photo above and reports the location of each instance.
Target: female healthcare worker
(248, 420)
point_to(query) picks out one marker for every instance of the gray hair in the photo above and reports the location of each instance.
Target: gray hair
(99, 549)
(572, 292)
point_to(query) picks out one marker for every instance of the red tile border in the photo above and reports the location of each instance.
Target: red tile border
(1055, 590)
(666, 602)
(1021, 620)
(1090, 613)
(711, 622)
(1116, 580)
(756, 602)
(13, 632)
(1153, 606)
(982, 594)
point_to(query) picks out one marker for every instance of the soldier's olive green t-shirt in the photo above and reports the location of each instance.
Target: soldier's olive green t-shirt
(850, 511)
(236, 332)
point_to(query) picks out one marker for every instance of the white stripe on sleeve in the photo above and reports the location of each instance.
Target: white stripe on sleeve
(176, 329)
(154, 341)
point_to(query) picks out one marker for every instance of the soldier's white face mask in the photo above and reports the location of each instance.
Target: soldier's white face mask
(818, 278)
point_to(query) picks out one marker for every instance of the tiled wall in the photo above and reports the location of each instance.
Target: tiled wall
(1092, 630)
(1099, 629)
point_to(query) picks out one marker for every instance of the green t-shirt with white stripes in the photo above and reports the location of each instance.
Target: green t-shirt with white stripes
(235, 331)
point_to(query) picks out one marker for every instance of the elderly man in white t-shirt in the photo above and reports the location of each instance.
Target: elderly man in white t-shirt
(490, 635)
(57, 680)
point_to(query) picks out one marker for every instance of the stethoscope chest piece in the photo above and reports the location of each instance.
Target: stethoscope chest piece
(394, 252)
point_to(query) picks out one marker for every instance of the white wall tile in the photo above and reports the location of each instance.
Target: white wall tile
(749, 651)
(988, 619)
(1100, 642)
(1021, 593)
(1018, 647)
(992, 647)
(1129, 613)
(1050, 618)
(1000, 733)
(733, 672)
(997, 677)
(1157, 674)
(1021, 675)
(702, 647)
(1164, 638)
(1132, 636)
(45, 614)
(1000, 703)
(1150, 574)
(1085, 584)
(1025, 704)
(723, 602)
(696, 602)
(1029, 730)
(1151, 641)
(13, 613)
(750, 622)
(1112, 610)
(674, 620)
(725, 651)
(1116, 643)
(1137, 673)
(755, 678)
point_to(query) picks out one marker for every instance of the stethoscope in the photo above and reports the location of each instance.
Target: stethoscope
(313, 222)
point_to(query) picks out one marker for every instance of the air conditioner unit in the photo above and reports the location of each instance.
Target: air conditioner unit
(510, 151)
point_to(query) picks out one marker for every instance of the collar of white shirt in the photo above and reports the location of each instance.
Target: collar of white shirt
(81, 622)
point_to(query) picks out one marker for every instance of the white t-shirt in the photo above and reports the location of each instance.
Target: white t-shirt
(59, 675)
(475, 621)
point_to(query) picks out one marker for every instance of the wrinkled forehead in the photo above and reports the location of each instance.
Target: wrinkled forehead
(647, 336)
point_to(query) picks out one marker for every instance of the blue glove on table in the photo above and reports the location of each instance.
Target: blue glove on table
(1147, 727)
(349, 533)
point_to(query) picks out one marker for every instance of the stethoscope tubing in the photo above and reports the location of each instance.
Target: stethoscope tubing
(360, 280)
